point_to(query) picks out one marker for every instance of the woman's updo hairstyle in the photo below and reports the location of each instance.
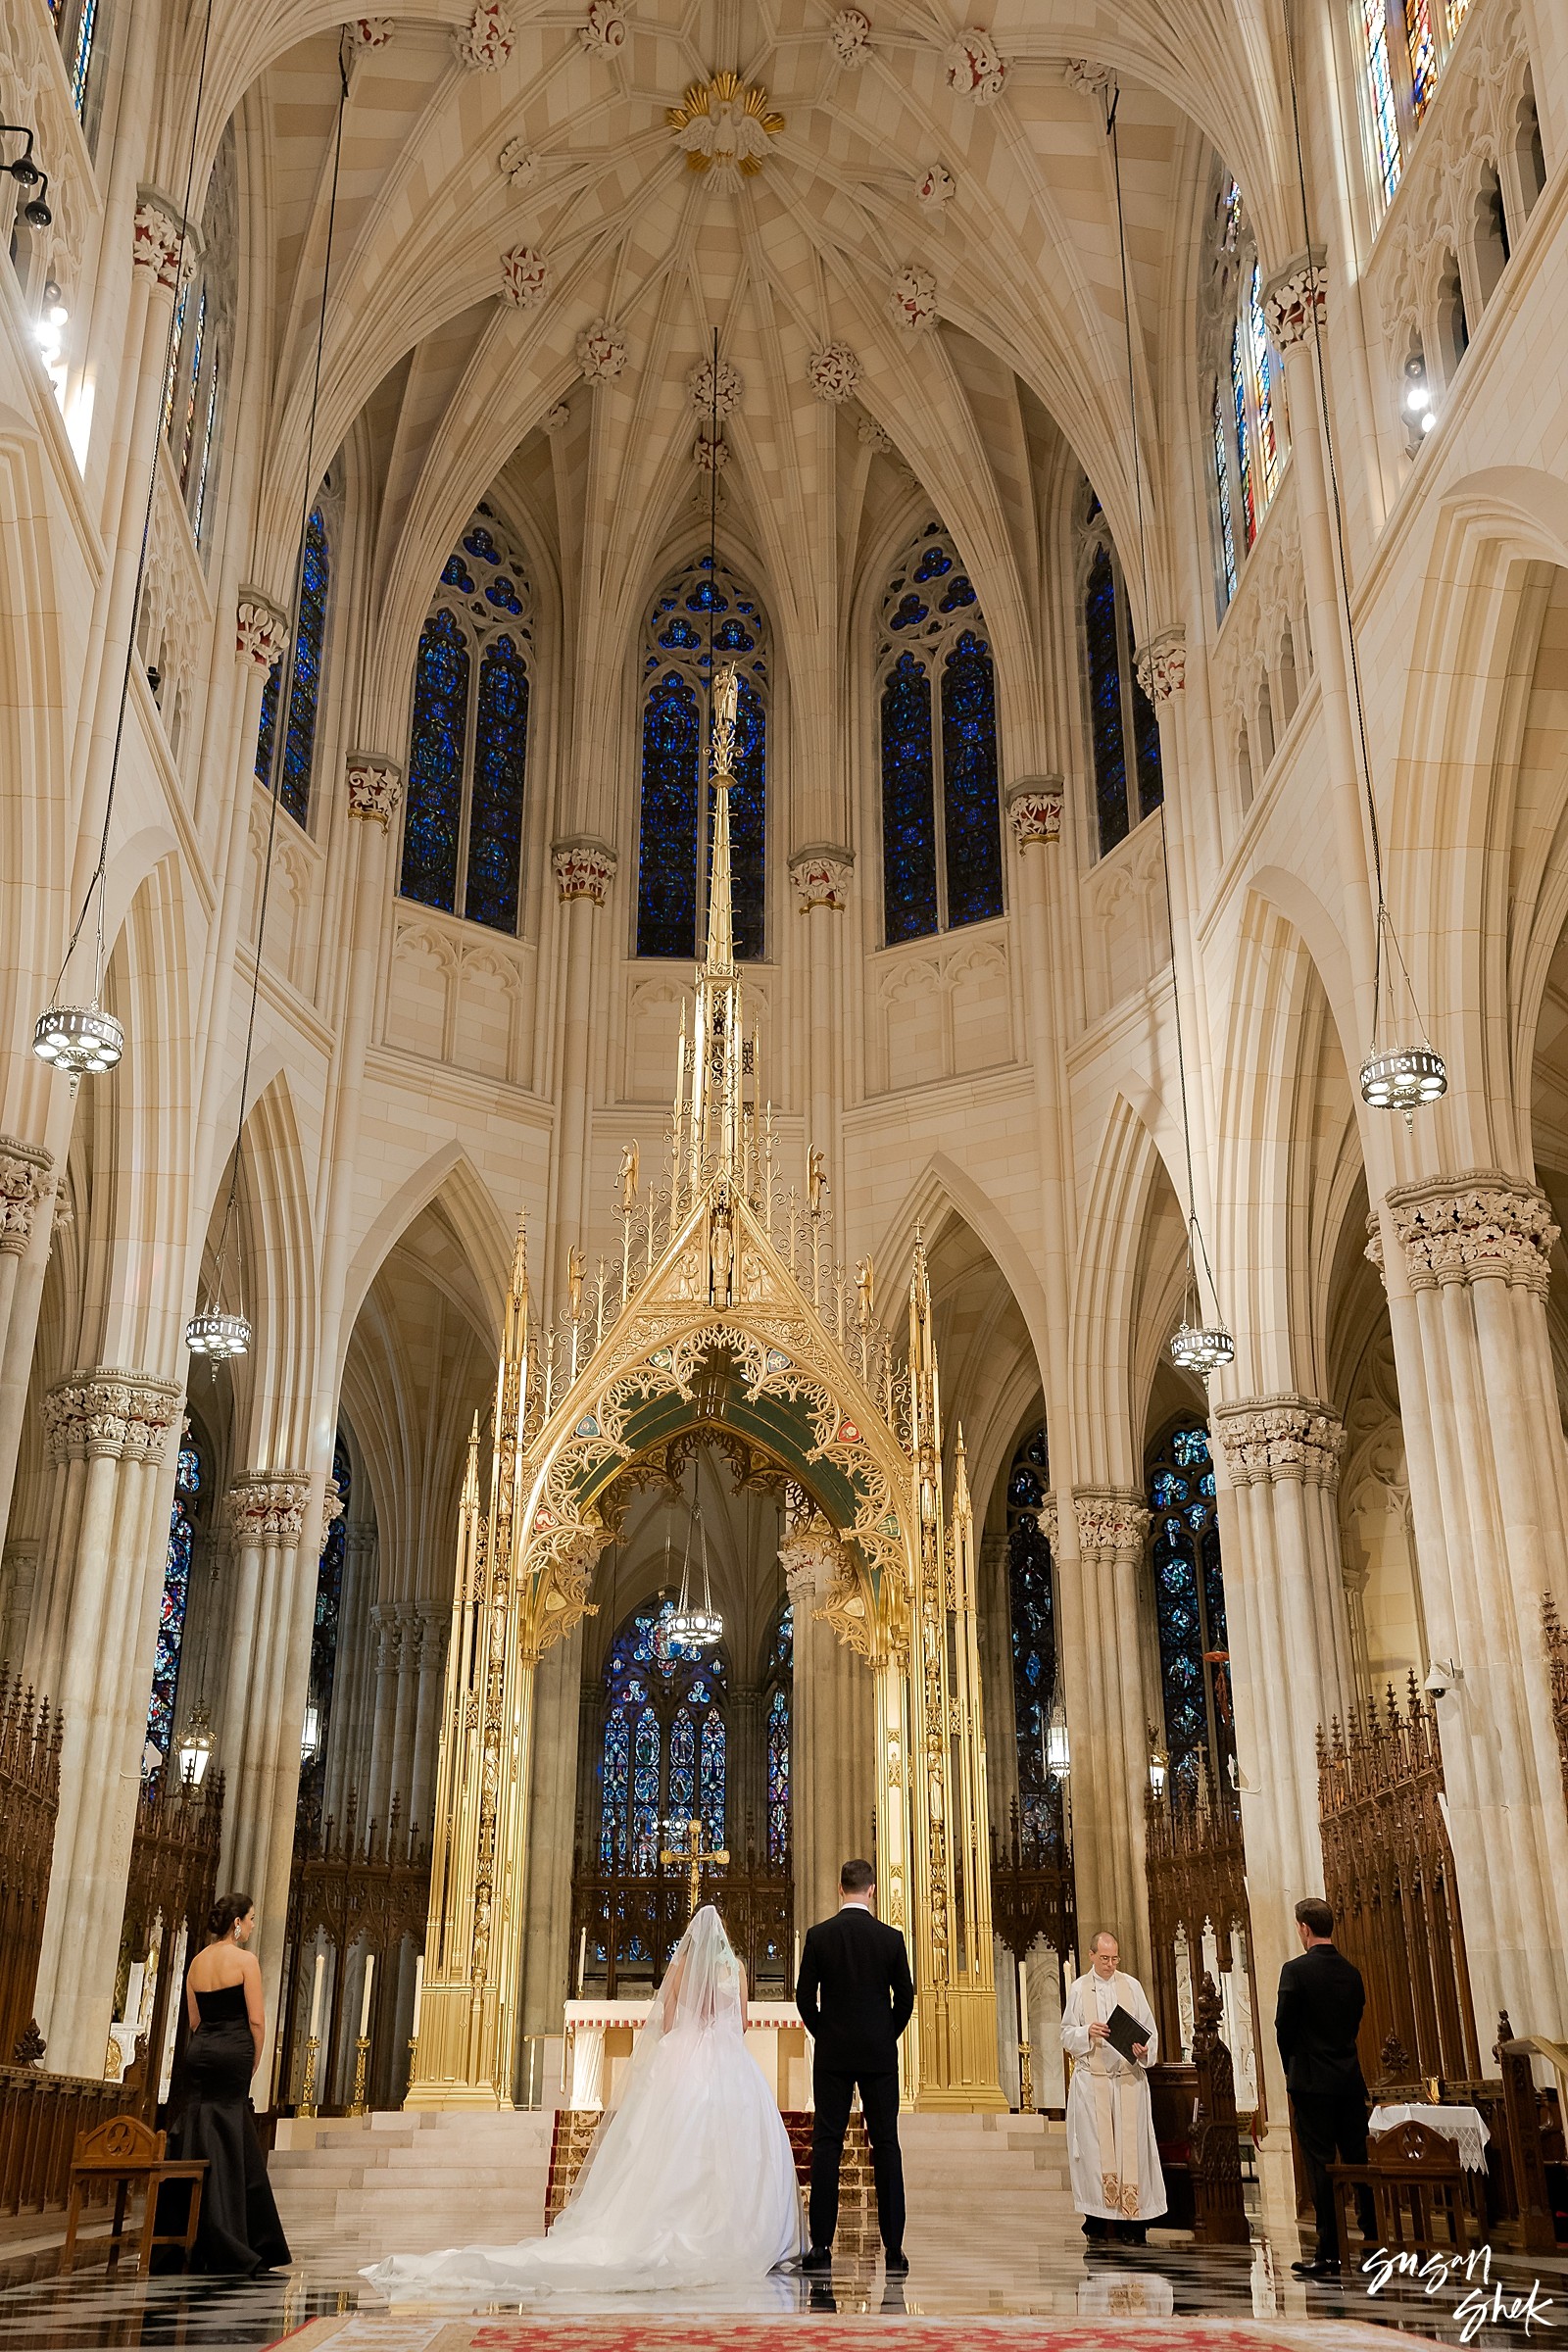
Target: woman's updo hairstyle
(226, 1911)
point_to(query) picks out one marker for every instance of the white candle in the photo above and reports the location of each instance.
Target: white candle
(582, 1960)
(316, 1997)
(418, 1994)
(364, 2004)
(1023, 2002)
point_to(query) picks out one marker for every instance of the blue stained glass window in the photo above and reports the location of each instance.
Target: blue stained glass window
(613, 1784)
(482, 544)
(435, 763)
(747, 818)
(644, 1808)
(503, 594)
(494, 807)
(1222, 492)
(1031, 1606)
(325, 1624)
(457, 576)
(174, 1600)
(1189, 1607)
(714, 1780)
(305, 685)
(910, 613)
(1104, 702)
(970, 805)
(733, 637)
(933, 565)
(682, 1767)
(778, 1779)
(1243, 439)
(1145, 741)
(679, 635)
(666, 873)
(908, 817)
(662, 1752)
(957, 594)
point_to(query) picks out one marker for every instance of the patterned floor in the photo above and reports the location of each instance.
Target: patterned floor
(995, 2297)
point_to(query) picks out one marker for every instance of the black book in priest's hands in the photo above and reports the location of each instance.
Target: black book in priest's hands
(1122, 2031)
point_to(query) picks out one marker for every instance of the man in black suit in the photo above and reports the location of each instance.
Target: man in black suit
(1320, 2005)
(855, 1995)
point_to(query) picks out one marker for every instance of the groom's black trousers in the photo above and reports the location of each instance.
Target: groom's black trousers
(879, 2104)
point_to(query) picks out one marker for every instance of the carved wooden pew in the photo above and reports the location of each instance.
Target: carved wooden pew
(1195, 2127)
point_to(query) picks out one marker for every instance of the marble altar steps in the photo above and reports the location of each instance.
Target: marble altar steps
(365, 2185)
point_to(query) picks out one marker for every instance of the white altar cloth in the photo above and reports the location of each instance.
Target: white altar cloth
(600, 2036)
(1466, 2125)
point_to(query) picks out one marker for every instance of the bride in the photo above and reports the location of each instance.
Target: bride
(691, 2181)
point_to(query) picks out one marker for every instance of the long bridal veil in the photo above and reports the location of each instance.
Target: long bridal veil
(690, 2182)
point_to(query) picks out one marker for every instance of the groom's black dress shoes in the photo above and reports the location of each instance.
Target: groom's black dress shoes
(896, 2265)
(1315, 2269)
(817, 2258)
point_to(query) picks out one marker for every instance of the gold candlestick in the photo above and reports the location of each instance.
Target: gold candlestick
(307, 2105)
(362, 2060)
(413, 2049)
(1026, 2080)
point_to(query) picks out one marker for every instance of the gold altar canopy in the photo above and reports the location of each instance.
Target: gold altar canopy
(724, 1313)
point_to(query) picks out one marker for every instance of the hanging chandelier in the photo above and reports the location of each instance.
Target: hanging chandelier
(1406, 1079)
(696, 1625)
(215, 1334)
(82, 1040)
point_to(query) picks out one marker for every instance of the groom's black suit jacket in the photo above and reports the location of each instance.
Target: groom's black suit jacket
(855, 1992)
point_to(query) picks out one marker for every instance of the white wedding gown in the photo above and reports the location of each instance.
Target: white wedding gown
(690, 2182)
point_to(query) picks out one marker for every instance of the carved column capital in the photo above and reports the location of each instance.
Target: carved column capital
(24, 1170)
(331, 1508)
(1112, 1521)
(260, 631)
(1268, 1438)
(821, 877)
(1477, 1227)
(1049, 1518)
(125, 1415)
(268, 1507)
(1087, 76)
(156, 243)
(1034, 808)
(1161, 665)
(1295, 296)
(812, 1558)
(584, 868)
(374, 786)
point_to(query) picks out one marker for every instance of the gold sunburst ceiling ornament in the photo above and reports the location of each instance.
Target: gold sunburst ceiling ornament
(721, 124)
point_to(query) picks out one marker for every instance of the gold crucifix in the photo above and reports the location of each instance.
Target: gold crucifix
(694, 1859)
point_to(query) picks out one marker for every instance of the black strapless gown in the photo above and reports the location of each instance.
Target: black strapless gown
(239, 2232)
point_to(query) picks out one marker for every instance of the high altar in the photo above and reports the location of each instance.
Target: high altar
(725, 1313)
(599, 2043)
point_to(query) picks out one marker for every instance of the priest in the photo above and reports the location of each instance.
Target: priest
(1117, 2184)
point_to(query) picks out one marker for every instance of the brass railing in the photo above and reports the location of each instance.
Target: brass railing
(30, 1797)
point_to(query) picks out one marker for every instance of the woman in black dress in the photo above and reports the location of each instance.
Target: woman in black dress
(239, 2231)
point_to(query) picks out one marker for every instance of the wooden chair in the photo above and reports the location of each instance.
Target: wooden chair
(1415, 2177)
(126, 2152)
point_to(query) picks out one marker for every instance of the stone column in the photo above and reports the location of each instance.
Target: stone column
(1296, 308)
(745, 1827)
(1488, 1483)
(108, 1433)
(25, 1189)
(435, 1624)
(584, 870)
(549, 1955)
(1291, 1649)
(347, 1758)
(265, 1515)
(820, 878)
(19, 1572)
(387, 1626)
(1107, 1734)
(832, 1765)
(405, 1710)
(996, 1683)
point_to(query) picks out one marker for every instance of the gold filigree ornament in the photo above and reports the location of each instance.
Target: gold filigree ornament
(719, 123)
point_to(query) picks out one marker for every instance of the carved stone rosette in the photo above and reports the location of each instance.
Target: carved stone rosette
(260, 631)
(1111, 1520)
(526, 276)
(24, 1183)
(605, 28)
(484, 43)
(155, 242)
(821, 877)
(264, 1508)
(1268, 1438)
(1161, 665)
(1477, 1227)
(1087, 76)
(912, 298)
(1294, 295)
(833, 372)
(374, 787)
(1034, 808)
(583, 869)
(850, 35)
(976, 68)
(125, 1415)
(602, 352)
(370, 32)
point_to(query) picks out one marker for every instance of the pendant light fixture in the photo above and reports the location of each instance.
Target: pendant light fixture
(696, 1625)
(1403, 1073)
(1202, 1342)
(85, 1041)
(215, 1331)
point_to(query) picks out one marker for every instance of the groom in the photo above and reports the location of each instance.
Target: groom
(855, 1995)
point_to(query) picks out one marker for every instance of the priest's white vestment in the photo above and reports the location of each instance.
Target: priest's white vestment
(1111, 2149)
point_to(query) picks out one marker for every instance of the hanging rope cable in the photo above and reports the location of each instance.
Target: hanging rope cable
(285, 699)
(1195, 1230)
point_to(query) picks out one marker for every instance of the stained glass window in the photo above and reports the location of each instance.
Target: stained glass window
(196, 390)
(176, 1599)
(325, 1624)
(1106, 724)
(777, 1703)
(1222, 492)
(938, 872)
(1247, 413)
(1262, 386)
(1189, 1606)
(662, 1754)
(673, 859)
(1423, 51)
(1379, 95)
(312, 589)
(1031, 1604)
(468, 740)
(1243, 437)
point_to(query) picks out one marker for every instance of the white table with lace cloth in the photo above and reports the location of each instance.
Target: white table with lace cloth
(599, 2043)
(1464, 2126)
